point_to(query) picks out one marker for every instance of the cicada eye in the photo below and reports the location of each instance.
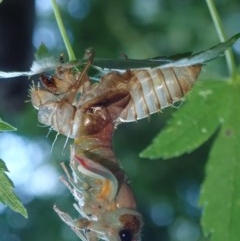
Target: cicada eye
(125, 235)
(48, 82)
(47, 79)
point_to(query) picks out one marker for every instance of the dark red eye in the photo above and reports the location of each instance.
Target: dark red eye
(125, 235)
(48, 82)
(47, 79)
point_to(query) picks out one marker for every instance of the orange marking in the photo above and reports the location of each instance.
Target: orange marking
(105, 191)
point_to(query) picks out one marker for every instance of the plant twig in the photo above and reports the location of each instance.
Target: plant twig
(62, 30)
(221, 35)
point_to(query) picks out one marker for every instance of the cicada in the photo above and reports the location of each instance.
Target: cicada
(73, 104)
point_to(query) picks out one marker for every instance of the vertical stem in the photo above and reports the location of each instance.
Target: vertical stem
(221, 35)
(62, 30)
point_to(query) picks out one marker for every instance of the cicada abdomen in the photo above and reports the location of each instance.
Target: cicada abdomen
(154, 89)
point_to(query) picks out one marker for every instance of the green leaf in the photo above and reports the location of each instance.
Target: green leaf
(193, 123)
(42, 52)
(220, 194)
(4, 126)
(7, 196)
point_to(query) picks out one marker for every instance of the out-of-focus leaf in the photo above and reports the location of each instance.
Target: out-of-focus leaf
(4, 126)
(42, 52)
(7, 196)
(220, 194)
(193, 124)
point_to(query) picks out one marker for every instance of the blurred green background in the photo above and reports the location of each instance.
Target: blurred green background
(166, 190)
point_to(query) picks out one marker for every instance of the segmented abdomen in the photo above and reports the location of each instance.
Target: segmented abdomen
(154, 89)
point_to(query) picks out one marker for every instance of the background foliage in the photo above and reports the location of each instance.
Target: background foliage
(167, 191)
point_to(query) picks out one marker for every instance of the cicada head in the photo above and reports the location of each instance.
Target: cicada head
(63, 81)
(56, 85)
(118, 225)
(131, 227)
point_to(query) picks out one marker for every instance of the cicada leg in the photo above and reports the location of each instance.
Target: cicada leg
(79, 195)
(78, 226)
(84, 185)
(89, 55)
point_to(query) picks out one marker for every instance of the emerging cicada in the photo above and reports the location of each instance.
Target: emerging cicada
(105, 201)
(128, 90)
(89, 112)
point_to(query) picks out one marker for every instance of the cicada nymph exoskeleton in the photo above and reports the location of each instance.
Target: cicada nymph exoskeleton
(139, 92)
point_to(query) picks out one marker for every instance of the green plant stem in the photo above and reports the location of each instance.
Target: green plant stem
(221, 35)
(62, 30)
